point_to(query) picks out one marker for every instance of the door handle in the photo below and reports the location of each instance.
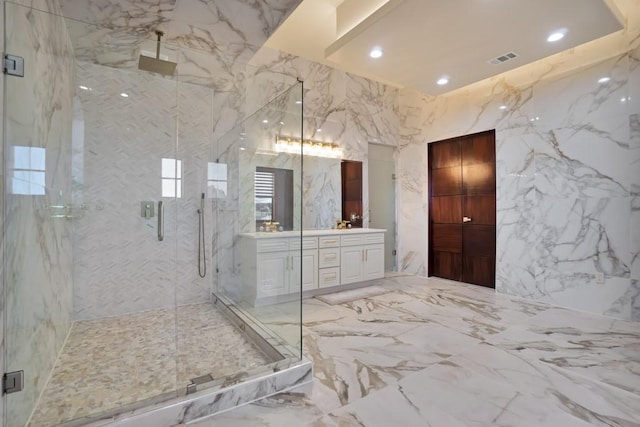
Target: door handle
(466, 219)
(160, 221)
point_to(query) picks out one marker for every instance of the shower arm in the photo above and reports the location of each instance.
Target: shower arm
(159, 34)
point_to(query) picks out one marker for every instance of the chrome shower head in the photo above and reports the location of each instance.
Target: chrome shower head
(157, 65)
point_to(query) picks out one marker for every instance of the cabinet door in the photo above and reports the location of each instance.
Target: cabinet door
(351, 264)
(309, 271)
(273, 274)
(373, 262)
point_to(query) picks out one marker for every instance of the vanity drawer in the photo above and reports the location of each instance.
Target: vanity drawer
(329, 257)
(329, 241)
(362, 239)
(328, 277)
(352, 240)
(272, 245)
(307, 243)
(372, 238)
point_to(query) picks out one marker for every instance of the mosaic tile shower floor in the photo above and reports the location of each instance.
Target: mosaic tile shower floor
(108, 363)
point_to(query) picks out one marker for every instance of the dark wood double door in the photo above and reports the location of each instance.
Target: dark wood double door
(462, 203)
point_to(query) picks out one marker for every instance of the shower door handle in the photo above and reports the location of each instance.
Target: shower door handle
(160, 221)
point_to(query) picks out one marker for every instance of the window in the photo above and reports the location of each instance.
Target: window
(217, 180)
(264, 182)
(274, 197)
(171, 178)
(29, 164)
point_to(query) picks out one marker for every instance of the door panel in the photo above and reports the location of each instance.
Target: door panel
(374, 262)
(272, 274)
(479, 270)
(480, 208)
(479, 240)
(446, 181)
(479, 178)
(309, 267)
(382, 198)
(445, 155)
(447, 238)
(446, 209)
(447, 265)
(351, 264)
(479, 149)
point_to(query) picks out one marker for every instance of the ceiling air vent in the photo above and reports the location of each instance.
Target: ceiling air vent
(503, 58)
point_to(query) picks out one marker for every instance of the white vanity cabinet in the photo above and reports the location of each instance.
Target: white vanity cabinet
(272, 262)
(361, 257)
(279, 262)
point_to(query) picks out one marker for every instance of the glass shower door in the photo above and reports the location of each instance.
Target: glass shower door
(90, 265)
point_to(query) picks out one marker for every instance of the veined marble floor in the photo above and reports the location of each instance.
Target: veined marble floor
(117, 361)
(433, 352)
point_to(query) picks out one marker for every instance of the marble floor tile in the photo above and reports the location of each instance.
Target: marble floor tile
(434, 352)
(602, 349)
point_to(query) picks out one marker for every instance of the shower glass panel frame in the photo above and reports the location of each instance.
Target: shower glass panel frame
(90, 286)
(249, 146)
(88, 152)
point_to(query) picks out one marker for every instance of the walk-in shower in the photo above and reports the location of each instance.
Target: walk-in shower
(123, 205)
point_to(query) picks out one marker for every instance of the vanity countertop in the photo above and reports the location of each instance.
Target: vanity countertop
(310, 233)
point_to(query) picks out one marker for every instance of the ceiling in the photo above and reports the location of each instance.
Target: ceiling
(425, 40)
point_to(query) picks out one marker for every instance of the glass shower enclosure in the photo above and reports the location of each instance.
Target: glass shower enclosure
(124, 212)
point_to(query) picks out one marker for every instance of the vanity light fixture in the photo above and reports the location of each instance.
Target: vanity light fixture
(375, 53)
(443, 80)
(556, 35)
(286, 144)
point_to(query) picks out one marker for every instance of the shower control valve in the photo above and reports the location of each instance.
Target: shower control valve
(146, 209)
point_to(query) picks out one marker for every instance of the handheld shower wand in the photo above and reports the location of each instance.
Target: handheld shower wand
(202, 254)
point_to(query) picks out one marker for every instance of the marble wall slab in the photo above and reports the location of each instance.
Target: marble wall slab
(121, 267)
(228, 32)
(39, 258)
(565, 180)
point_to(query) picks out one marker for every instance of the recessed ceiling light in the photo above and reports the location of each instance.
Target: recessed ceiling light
(556, 35)
(242, 148)
(319, 130)
(83, 87)
(443, 81)
(281, 123)
(265, 121)
(503, 107)
(604, 79)
(124, 95)
(298, 102)
(376, 52)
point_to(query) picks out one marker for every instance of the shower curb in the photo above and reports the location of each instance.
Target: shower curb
(212, 401)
